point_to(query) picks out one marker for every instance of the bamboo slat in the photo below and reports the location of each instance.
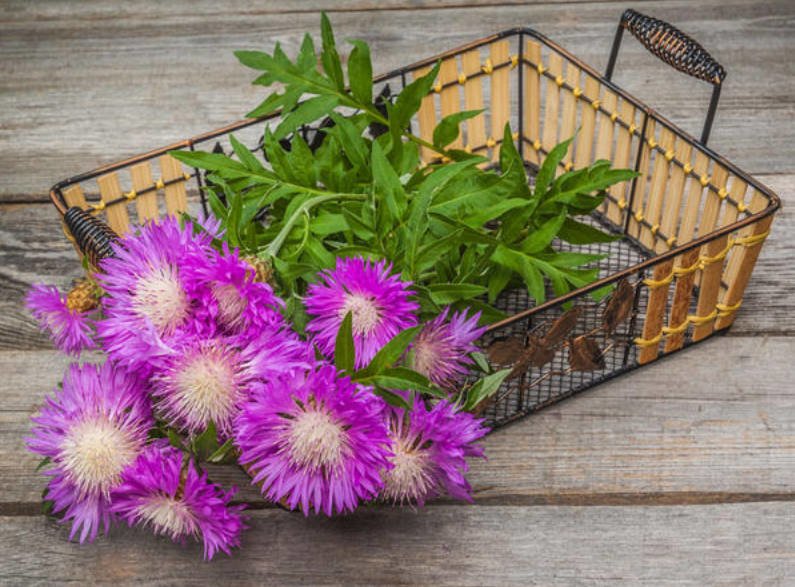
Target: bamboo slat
(695, 192)
(641, 186)
(500, 92)
(568, 122)
(176, 196)
(450, 96)
(746, 257)
(473, 95)
(709, 288)
(604, 148)
(657, 193)
(532, 102)
(655, 311)
(426, 117)
(621, 159)
(552, 102)
(585, 138)
(74, 197)
(680, 306)
(146, 203)
(110, 190)
(712, 204)
(737, 192)
(675, 194)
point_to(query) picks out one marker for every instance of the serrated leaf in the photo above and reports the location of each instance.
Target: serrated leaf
(332, 64)
(307, 111)
(579, 233)
(224, 452)
(206, 443)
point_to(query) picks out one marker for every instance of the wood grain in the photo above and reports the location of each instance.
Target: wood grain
(180, 77)
(694, 545)
(657, 433)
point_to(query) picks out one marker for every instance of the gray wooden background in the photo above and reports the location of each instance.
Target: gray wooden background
(683, 472)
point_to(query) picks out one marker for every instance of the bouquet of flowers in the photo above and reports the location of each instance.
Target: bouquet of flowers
(317, 330)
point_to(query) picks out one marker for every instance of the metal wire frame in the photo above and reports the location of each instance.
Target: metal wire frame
(636, 271)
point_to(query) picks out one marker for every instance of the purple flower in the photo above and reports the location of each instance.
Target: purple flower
(430, 449)
(91, 430)
(314, 440)
(378, 302)
(70, 330)
(164, 490)
(441, 349)
(150, 297)
(235, 302)
(205, 378)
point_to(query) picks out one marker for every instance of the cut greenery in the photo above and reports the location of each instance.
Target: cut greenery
(461, 231)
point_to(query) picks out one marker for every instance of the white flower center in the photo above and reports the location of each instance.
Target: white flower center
(206, 390)
(168, 515)
(424, 357)
(159, 296)
(365, 312)
(231, 305)
(410, 478)
(94, 454)
(316, 440)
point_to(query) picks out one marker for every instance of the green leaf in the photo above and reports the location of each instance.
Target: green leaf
(206, 443)
(579, 233)
(175, 439)
(485, 388)
(524, 266)
(404, 379)
(390, 353)
(447, 293)
(392, 399)
(549, 167)
(329, 56)
(307, 111)
(387, 184)
(409, 100)
(43, 463)
(540, 238)
(360, 72)
(448, 130)
(223, 454)
(344, 351)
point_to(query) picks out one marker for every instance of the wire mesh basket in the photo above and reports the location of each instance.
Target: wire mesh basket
(691, 224)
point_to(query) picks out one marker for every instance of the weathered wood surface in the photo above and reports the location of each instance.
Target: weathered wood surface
(162, 71)
(444, 545)
(656, 436)
(694, 455)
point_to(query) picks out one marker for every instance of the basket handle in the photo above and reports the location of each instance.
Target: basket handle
(93, 237)
(677, 50)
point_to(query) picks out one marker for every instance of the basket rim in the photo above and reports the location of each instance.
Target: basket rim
(774, 201)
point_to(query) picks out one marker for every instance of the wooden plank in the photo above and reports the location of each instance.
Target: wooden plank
(473, 95)
(532, 102)
(116, 214)
(146, 203)
(175, 194)
(692, 545)
(663, 429)
(51, 59)
(426, 117)
(552, 102)
(499, 105)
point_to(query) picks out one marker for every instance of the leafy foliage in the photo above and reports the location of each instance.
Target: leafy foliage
(462, 232)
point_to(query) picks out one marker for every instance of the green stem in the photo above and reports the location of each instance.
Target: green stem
(273, 248)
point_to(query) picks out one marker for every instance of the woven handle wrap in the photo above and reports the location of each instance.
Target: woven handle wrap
(93, 237)
(673, 46)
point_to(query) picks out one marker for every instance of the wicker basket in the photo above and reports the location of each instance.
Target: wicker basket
(692, 224)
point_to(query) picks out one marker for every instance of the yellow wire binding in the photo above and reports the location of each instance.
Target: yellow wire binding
(676, 329)
(514, 61)
(654, 284)
(642, 342)
(699, 320)
(487, 67)
(726, 310)
(753, 239)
